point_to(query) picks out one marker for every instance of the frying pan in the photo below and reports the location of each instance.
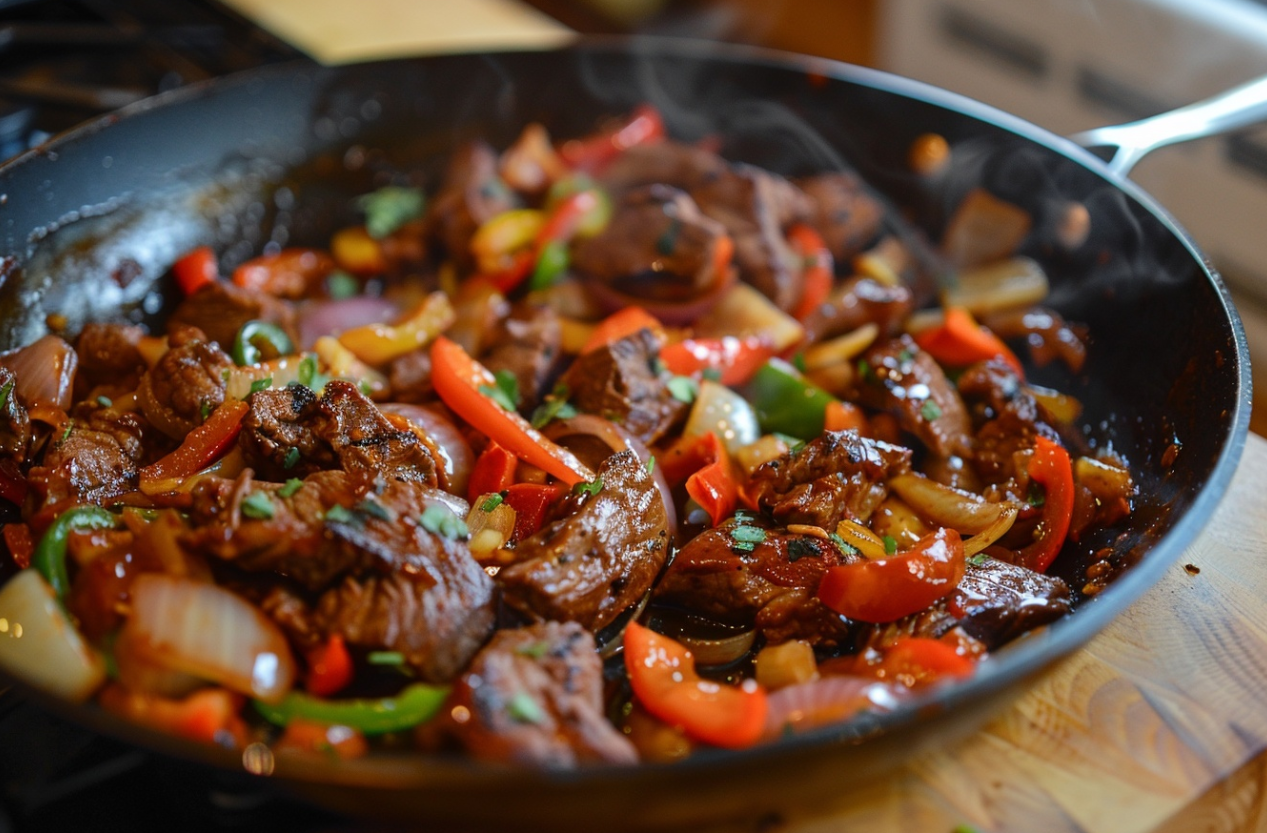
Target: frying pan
(92, 221)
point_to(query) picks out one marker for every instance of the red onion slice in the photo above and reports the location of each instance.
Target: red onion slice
(826, 700)
(445, 439)
(45, 371)
(329, 318)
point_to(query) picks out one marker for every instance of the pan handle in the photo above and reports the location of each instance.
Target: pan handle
(1238, 107)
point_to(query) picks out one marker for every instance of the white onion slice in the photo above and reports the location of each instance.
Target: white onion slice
(991, 533)
(725, 413)
(45, 371)
(944, 506)
(441, 436)
(39, 644)
(826, 700)
(722, 651)
(204, 630)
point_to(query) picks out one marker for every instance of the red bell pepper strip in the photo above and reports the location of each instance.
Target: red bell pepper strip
(13, 485)
(323, 739)
(531, 502)
(201, 447)
(710, 478)
(816, 275)
(329, 667)
(887, 589)
(196, 269)
(620, 324)
(1051, 468)
(494, 471)
(845, 416)
(559, 227)
(458, 378)
(595, 152)
(209, 715)
(662, 674)
(735, 358)
(507, 279)
(288, 273)
(911, 660)
(961, 341)
(18, 540)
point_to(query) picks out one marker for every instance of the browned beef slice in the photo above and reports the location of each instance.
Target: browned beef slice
(623, 382)
(185, 385)
(599, 560)
(837, 476)
(340, 429)
(844, 212)
(535, 696)
(529, 345)
(97, 459)
(995, 603)
(15, 424)
(108, 354)
(471, 193)
(220, 309)
(909, 384)
(669, 163)
(755, 206)
(1008, 416)
(773, 587)
(657, 246)
(856, 302)
(410, 377)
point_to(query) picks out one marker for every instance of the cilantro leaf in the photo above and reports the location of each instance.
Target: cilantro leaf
(505, 392)
(592, 488)
(439, 519)
(843, 545)
(523, 709)
(681, 388)
(258, 505)
(555, 406)
(890, 545)
(292, 485)
(491, 502)
(262, 384)
(389, 208)
(930, 411)
(979, 559)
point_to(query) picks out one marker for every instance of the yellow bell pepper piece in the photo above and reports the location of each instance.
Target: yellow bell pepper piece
(377, 344)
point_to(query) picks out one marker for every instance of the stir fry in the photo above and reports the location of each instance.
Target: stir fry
(601, 450)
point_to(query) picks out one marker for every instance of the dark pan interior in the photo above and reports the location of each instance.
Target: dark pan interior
(92, 222)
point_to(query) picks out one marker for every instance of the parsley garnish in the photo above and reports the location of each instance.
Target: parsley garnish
(1037, 496)
(505, 392)
(439, 519)
(258, 505)
(798, 361)
(291, 458)
(491, 502)
(339, 515)
(748, 534)
(535, 650)
(387, 209)
(524, 709)
(204, 410)
(292, 485)
(651, 464)
(555, 406)
(798, 548)
(70, 424)
(843, 545)
(262, 384)
(592, 488)
(712, 374)
(681, 388)
(374, 509)
(890, 545)
(930, 411)
(341, 285)
(978, 559)
(103, 401)
(385, 658)
(4, 393)
(865, 371)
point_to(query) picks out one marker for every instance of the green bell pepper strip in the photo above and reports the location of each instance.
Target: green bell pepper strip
(787, 403)
(247, 343)
(49, 557)
(416, 704)
(551, 264)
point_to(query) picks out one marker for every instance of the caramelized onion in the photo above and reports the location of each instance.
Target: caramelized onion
(45, 372)
(944, 506)
(39, 643)
(825, 700)
(721, 651)
(443, 439)
(992, 533)
(329, 318)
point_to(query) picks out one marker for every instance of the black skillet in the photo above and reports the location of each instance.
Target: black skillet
(90, 223)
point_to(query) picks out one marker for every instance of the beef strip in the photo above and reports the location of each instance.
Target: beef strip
(858, 301)
(15, 424)
(669, 162)
(471, 193)
(108, 354)
(772, 588)
(594, 563)
(624, 382)
(836, 476)
(844, 212)
(410, 377)
(186, 384)
(1009, 418)
(96, 459)
(995, 603)
(528, 345)
(291, 432)
(220, 309)
(658, 246)
(534, 695)
(909, 384)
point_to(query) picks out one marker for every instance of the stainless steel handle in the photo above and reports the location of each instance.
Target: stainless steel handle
(1238, 107)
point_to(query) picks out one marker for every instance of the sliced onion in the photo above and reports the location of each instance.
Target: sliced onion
(137, 673)
(1108, 482)
(841, 349)
(204, 630)
(721, 651)
(826, 700)
(39, 644)
(743, 311)
(281, 371)
(895, 518)
(1062, 407)
(862, 539)
(329, 318)
(490, 530)
(617, 439)
(945, 506)
(1006, 284)
(720, 410)
(991, 533)
(785, 664)
(443, 438)
(45, 371)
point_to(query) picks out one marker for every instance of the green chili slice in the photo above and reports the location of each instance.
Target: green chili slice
(50, 555)
(415, 704)
(258, 340)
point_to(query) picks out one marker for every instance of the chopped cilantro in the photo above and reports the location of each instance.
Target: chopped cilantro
(262, 384)
(1037, 496)
(798, 548)
(658, 366)
(291, 458)
(374, 509)
(340, 515)
(439, 519)
(906, 357)
(103, 401)
(748, 534)
(798, 361)
(70, 424)
(682, 389)
(978, 559)
(292, 485)
(865, 371)
(794, 444)
(4, 393)
(258, 505)
(712, 374)
(667, 242)
(204, 410)
(890, 545)
(744, 516)
(505, 392)
(555, 406)
(843, 545)
(385, 658)
(387, 209)
(535, 650)
(651, 464)
(592, 488)
(524, 709)
(491, 502)
(341, 285)
(930, 411)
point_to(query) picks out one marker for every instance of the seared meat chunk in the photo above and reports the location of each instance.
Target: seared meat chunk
(220, 309)
(535, 696)
(529, 345)
(591, 565)
(108, 354)
(995, 603)
(909, 384)
(837, 476)
(844, 212)
(623, 382)
(95, 460)
(771, 586)
(471, 193)
(292, 432)
(859, 301)
(15, 423)
(670, 163)
(1009, 417)
(410, 377)
(658, 246)
(186, 384)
